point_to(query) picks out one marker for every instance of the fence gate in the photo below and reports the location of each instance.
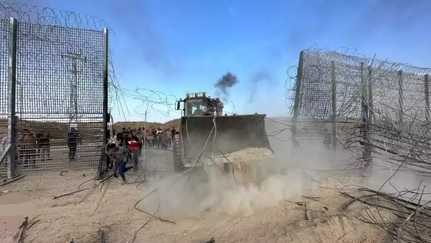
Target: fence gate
(60, 95)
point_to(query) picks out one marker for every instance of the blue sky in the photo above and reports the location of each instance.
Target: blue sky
(182, 46)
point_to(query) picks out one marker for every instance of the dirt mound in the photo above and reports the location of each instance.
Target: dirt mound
(140, 124)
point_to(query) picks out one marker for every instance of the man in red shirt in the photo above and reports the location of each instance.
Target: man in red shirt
(134, 146)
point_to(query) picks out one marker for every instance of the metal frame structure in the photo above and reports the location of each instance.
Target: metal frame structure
(334, 88)
(56, 115)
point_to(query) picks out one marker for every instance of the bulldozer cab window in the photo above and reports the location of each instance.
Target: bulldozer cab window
(195, 108)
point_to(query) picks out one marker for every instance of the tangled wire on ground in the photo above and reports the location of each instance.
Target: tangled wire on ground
(389, 104)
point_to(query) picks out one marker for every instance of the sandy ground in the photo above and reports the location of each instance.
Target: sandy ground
(110, 207)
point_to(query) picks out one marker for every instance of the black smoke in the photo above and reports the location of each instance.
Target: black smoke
(226, 82)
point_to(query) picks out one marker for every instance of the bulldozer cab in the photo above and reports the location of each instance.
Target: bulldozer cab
(199, 104)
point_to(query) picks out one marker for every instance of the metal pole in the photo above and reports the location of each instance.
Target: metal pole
(400, 98)
(73, 98)
(366, 154)
(296, 104)
(334, 106)
(364, 106)
(13, 27)
(427, 98)
(104, 159)
(105, 85)
(370, 96)
(299, 77)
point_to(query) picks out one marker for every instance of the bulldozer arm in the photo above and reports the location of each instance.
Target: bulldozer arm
(201, 135)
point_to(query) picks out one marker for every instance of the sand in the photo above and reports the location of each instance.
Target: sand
(111, 207)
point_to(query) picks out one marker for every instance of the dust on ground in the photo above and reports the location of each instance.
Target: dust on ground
(244, 214)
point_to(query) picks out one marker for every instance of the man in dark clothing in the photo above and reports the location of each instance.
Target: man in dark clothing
(121, 136)
(72, 141)
(173, 132)
(43, 145)
(155, 135)
(119, 154)
(110, 162)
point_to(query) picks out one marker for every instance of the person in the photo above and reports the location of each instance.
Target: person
(173, 132)
(124, 155)
(159, 134)
(140, 137)
(165, 139)
(27, 148)
(122, 135)
(155, 138)
(118, 154)
(113, 137)
(110, 147)
(133, 148)
(72, 141)
(43, 145)
(150, 138)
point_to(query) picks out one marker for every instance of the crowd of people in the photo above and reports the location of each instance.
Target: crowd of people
(125, 147)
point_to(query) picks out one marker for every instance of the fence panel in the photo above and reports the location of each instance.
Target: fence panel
(59, 96)
(386, 102)
(4, 32)
(393, 88)
(316, 93)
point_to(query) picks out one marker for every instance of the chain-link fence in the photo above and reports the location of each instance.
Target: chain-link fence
(387, 88)
(386, 104)
(4, 91)
(60, 91)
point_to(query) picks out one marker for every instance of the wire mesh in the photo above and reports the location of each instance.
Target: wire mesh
(4, 24)
(316, 86)
(396, 88)
(27, 12)
(387, 101)
(59, 96)
(3, 90)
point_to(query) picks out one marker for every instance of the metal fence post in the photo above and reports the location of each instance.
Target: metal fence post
(427, 98)
(370, 96)
(297, 101)
(299, 77)
(365, 127)
(105, 84)
(13, 27)
(400, 98)
(104, 159)
(334, 106)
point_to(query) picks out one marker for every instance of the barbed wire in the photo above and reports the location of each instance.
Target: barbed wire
(290, 86)
(42, 18)
(119, 97)
(35, 14)
(152, 101)
(315, 90)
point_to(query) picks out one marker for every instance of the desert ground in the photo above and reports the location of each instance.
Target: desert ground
(294, 201)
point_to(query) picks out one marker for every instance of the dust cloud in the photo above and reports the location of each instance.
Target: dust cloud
(292, 171)
(287, 174)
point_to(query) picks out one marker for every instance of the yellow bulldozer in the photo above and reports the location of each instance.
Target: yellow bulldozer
(206, 133)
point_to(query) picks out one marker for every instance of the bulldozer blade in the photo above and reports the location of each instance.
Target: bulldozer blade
(222, 134)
